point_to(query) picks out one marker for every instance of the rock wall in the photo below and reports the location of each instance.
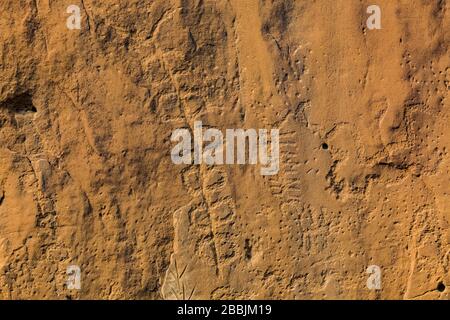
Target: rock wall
(86, 176)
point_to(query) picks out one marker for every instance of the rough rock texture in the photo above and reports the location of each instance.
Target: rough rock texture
(86, 176)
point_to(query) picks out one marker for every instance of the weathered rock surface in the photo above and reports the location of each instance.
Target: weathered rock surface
(86, 176)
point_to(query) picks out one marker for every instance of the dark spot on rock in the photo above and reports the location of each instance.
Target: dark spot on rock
(440, 287)
(324, 146)
(22, 103)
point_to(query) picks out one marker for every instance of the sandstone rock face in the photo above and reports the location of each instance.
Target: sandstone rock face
(86, 176)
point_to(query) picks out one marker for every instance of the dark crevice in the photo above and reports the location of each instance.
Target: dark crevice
(22, 103)
(248, 249)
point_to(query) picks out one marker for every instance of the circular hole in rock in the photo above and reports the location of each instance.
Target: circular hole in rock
(324, 146)
(441, 287)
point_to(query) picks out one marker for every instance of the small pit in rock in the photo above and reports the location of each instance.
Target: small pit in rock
(22, 103)
(248, 249)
